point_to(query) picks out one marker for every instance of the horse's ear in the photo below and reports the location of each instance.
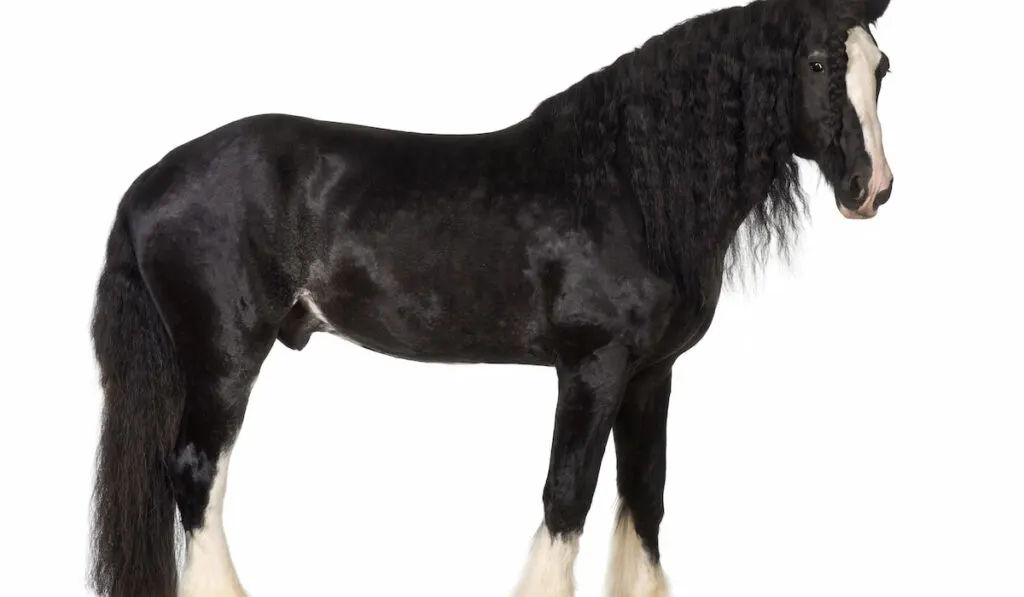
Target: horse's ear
(867, 11)
(873, 9)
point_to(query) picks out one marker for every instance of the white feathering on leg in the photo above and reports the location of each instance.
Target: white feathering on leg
(549, 572)
(631, 573)
(208, 568)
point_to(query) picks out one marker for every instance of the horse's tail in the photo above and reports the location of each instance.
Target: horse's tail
(134, 545)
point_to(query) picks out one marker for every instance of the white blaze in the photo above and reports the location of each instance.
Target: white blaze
(861, 86)
(208, 569)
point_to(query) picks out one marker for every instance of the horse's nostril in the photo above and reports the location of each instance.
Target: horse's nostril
(883, 196)
(855, 186)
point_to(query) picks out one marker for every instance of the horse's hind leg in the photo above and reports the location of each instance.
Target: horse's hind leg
(199, 469)
(640, 442)
(590, 389)
(221, 344)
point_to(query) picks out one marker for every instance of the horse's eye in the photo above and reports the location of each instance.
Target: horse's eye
(817, 67)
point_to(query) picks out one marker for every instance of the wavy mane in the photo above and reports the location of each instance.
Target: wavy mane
(695, 125)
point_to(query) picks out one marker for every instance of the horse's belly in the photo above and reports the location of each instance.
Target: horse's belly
(434, 318)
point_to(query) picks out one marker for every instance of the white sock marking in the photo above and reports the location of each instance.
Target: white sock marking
(631, 573)
(208, 568)
(549, 572)
(861, 86)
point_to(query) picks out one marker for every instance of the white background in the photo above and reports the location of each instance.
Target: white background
(853, 427)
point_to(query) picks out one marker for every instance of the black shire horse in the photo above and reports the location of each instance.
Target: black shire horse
(593, 236)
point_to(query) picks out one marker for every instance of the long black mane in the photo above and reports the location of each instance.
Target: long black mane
(699, 117)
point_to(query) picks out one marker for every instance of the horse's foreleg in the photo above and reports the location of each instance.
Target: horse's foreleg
(640, 442)
(590, 390)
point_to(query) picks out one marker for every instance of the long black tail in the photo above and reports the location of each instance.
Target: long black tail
(133, 528)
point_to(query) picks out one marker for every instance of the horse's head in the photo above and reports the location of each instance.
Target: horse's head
(841, 69)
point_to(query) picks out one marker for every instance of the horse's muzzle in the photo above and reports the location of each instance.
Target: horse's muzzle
(869, 207)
